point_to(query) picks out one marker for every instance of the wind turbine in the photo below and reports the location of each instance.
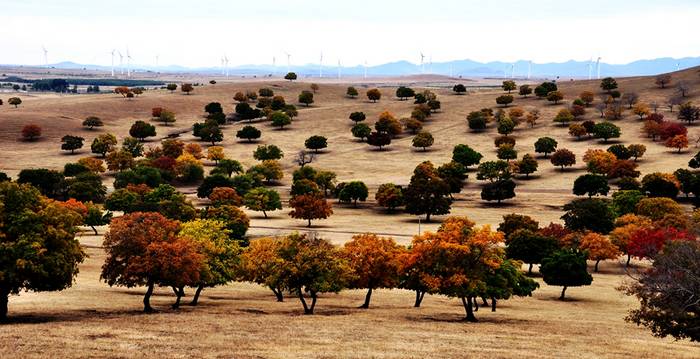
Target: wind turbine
(338, 69)
(226, 62)
(678, 66)
(46, 55)
(430, 64)
(365, 69)
(320, 66)
(422, 65)
(113, 51)
(590, 68)
(289, 56)
(121, 62)
(529, 69)
(512, 70)
(597, 64)
(128, 63)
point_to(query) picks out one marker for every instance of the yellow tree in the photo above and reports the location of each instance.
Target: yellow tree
(215, 153)
(375, 262)
(598, 247)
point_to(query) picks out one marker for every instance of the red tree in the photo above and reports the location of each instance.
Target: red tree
(647, 242)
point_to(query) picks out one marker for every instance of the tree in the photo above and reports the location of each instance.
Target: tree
(268, 152)
(351, 92)
(361, 131)
(465, 155)
(268, 171)
(587, 97)
(508, 86)
(493, 171)
(577, 130)
(514, 222)
(311, 265)
(314, 87)
(233, 218)
(280, 119)
(545, 145)
(530, 247)
(240, 97)
(171, 87)
(353, 191)
(388, 124)
(423, 140)
(592, 185)
(39, 251)
(31, 132)
(374, 261)
(215, 153)
(459, 89)
(389, 196)
(598, 248)
(263, 200)
(143, 249)
(119, 160)
(608, 84)
(316, 143)
(211, 133)
(498, 191)
(93, 165)
(563, 158)
(403, 92)
(641, 109)
(374, 95)
(476, 121)
(593, 214)
(555, 96)
(659, 184)
(427, 193)
(378, 139)
(132, 146)
(662, 80)
(412, 125)
(91, 122)
(545, 88)
(658, 207)
(248, 133)
(103, 144)
(291, 76)
(506, 126)
(306, 97)
(506, 152)
(566, 268)
(455, 261)
(261, 264)
(357, 117)
(221, 254)
(14, 101)
(667, 305)
(563, 117)
(221, 196)
(141, 130)
(606, 130)
(71, 143)
(309, 207)
(682, 88)
(647, 242)
(678, 142)
(504, 100)
(186, 88)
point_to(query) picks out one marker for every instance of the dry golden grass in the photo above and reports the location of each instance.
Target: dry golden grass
(241, 320)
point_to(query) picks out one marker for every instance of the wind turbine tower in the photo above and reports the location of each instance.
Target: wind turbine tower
(597, 64)
(46, 55)
(320, 66)
(422, 64)
(113, 51)
(365, 76)
(512, 70)
(289, 57)
(121, 62)
(338, 69)
(529, 69)
(590, 68)
(128, 63)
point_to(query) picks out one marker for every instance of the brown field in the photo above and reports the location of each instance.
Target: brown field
(242, 320)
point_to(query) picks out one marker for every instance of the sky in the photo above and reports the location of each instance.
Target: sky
(198, 33)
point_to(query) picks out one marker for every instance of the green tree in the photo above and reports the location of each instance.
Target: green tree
(508, 86)
(171, 87)
(141, 130)
(606, 130)
(389, 196)
(499, 190)
(423, 140)
(357, 117)
(268, 152)
(459, 89)
(427, 193)
(608, 84)
(527, 165)
(306, 97)
(466, 156)
(592, 185)
(71, 143)
(92, 121)
(566, 268)
(404, 92)
(280, 119)
(504, 100)
(263, 200)
(351, 92)
(545, 145)
(374, 95)
(316, 143)
(248, 133)
(530, 247)
(361, 131)
(103, 144)
(39, 251)
(291, 76)
(593, 214)
(353, 191)
(555, 96)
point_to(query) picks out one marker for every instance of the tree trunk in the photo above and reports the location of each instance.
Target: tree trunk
(94, 229)
(493, 304)
(309, 225)
(467, 303)
(179, 293)
(595, 269)
(313, 302)
(4, 299)
(195, 299)
(427, 217)
(629, 256)
(367, 299)
(563, 291)
(147, 298)
(278, 294)
(419, 298)
(529, 270)
(476, 305)
(307, 309)
(264, 214)
(484, 302)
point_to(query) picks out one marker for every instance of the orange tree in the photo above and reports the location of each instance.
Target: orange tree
(598, 248)
(310, 206)
(143, 249)
(625, 227)
(456, 260)
(261, 264)
(374, 261)
(311, 265)
(38, 249)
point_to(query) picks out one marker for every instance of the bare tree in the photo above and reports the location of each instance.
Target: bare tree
(674, 101)
(654, 106)
(303, 158)
(601, 107)
(663, 80)
(630, 98)
(682, 88)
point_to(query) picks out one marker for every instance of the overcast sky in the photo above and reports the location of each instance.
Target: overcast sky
(199, 33)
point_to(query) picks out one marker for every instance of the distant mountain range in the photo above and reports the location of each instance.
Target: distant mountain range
(464, 68)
